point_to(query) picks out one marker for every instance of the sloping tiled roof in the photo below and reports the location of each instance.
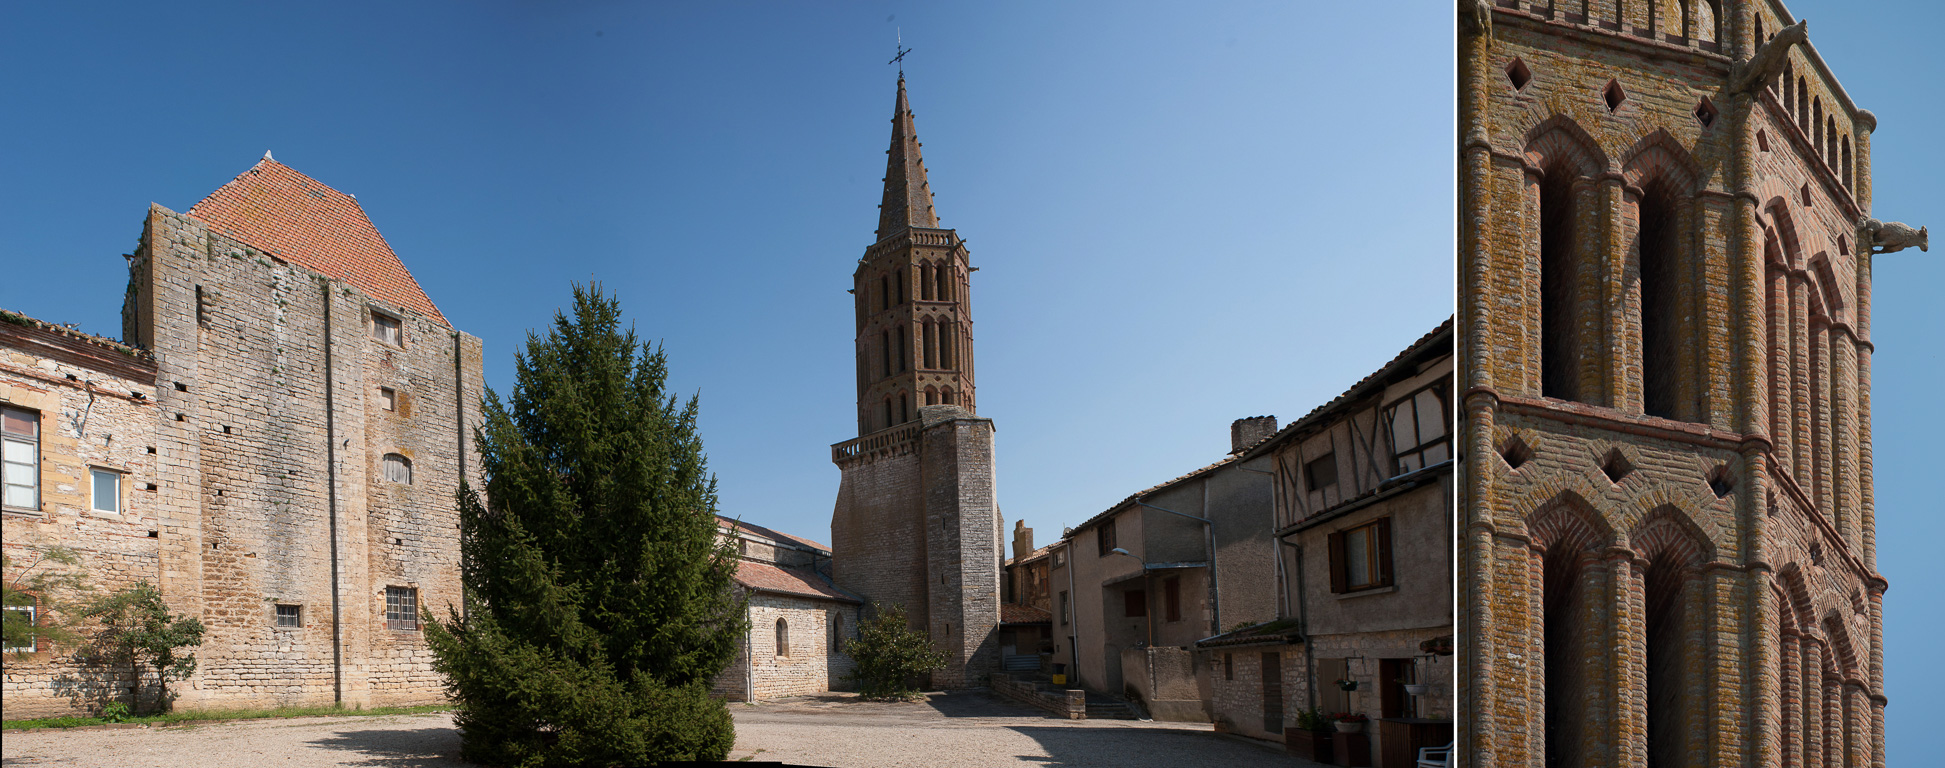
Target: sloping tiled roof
(790, 581)
(298, 219)
(1124, 503)
(1364, 388)
(771, 534)
(1019, 613)
(1279, 632)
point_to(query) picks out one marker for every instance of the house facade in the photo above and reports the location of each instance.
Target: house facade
(1363, 621)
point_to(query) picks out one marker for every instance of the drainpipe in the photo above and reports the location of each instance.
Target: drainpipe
(1303, 628)
(459, 419)
(331, 493)
(1215, 598)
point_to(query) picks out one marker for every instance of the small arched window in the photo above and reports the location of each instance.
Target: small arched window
(945, 395)
(904, 349)
(887, 422)
(902, 281)
(931, 344)
(1848, 184)
(1816, 124)
(944, 276)
(884, 350)
(398, 469)
(925, 282)
(1802, 102)
(783, 638)
(904, 407)
(948, 341)
(931, 396)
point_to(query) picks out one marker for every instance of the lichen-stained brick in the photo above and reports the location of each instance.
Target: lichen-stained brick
(1668, 542)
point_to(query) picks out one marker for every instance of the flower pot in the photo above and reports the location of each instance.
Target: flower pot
(1345, 726)
(1418, 689)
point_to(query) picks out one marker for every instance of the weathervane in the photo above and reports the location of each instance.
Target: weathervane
(900, 58)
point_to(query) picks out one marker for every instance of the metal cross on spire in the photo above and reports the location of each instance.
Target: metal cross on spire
(902, 50)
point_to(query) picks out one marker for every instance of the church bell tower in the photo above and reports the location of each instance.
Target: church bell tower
(914, 317)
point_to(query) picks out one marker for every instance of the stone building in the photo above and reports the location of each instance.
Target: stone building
(1666, 252)
(1138, 584)
(289, 414)
(1363, 531)
(799, 621)
(1026, 609)
(916, 523)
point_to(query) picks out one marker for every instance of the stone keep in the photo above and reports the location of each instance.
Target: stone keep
(1667, 548)
(916, 523)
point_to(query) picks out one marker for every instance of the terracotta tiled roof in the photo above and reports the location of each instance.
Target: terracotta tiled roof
(790, 581)
(300, 220)
(1018, 613)
(1279, 632)
(771, 534)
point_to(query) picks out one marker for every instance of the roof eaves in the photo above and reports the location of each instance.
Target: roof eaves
(1357, 393)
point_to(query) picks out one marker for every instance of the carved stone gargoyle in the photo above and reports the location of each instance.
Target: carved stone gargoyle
(1747, 76)
(1892, 236)
(1476, 16)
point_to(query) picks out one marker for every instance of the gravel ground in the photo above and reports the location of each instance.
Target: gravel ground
(946, 730)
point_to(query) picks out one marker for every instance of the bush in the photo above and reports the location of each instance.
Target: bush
(600, 600)
(889, 657)
(133, 627)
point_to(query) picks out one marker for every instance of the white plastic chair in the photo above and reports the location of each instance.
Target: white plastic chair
(1435, 757)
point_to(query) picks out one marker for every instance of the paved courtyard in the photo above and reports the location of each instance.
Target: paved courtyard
(955, 729)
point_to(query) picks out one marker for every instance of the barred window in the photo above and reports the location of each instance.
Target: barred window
(398, 469)
(20, 451)
(401, 608)
(1420, 436)
(290, 616)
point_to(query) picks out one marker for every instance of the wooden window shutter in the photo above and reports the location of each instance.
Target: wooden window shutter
(1383, 532)
(1336, 546)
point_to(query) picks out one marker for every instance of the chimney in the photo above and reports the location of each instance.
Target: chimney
(1022, 539)
(1246, 432)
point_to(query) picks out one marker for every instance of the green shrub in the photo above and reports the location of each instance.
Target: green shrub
(889, 657)
(132, 627)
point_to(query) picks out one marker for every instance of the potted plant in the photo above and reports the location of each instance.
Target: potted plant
(1347, 684)
(1415, 689)
(1349, 722)
(1310, 738)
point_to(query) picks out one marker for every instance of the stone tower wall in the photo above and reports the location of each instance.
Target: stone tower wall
(248, 467)
(962, 535)
(1737, 524)
(878, 534)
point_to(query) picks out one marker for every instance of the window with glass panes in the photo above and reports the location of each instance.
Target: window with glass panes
(1360, 558)
(1420, 428)
(401, 608)
(107, 489)
(20, 458)
(290, 616)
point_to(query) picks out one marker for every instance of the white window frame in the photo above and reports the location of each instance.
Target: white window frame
(1411, 458)
(33, 620)
(95, 475)
(9, 469)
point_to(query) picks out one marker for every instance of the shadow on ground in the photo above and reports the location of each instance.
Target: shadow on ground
(417, 748)
(1085, 747)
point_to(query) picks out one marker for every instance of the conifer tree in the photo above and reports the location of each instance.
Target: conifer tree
(599, 601)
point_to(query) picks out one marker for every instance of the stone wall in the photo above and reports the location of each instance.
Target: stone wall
(1236, 692)
(962, 532)
(810, 666)
(95, 406)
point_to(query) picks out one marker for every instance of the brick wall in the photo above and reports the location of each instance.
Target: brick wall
(1748, 508)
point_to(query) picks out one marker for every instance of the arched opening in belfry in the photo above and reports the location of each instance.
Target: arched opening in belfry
(1668, 658)
(884, 351)
(1848, 184)
(1661, 317)
(930, 333)
(884, 292)
(904, 349)
(925, 281)
(945, 396)
(1558, 331)
(1802, 102)
(1816, 125)
(1563, 598)
(948, 341)
(886, 422)
(944, 275)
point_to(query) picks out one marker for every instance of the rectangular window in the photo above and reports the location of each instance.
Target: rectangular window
(1360, 558)
(290, 616)
(20, 458)
(385, 328)
(401, 608)
(1419, 426)
(31, 615)
(107, 489)
(1105, 537)
(388, 398)
(1060, 558)
(1134, 603)
(1063, 606)
(1321, 472)
(1172, 599)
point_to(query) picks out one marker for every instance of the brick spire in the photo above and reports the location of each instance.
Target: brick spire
(908, 200)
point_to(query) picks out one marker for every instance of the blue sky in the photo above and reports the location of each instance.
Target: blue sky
(1183, 214)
